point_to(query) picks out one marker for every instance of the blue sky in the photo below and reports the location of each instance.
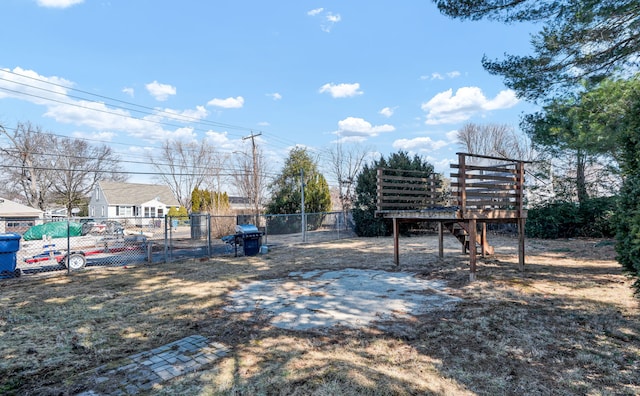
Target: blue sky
(384, 75)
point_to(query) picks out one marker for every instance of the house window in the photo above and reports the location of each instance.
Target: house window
(160, 212)
(97, 194)
(149, 211)
(18, 225)
(124, 211)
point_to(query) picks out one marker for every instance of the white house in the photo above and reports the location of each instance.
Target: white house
(15, 217)
(139, 203)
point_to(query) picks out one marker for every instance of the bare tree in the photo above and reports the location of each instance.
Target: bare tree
(496, 140)
(183, 167)
(216, 178)
(44, 169)
(79, 167)
(346, 163)
(249, 177)
(27, 167)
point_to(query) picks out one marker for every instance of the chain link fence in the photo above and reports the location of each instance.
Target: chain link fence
(69, 245)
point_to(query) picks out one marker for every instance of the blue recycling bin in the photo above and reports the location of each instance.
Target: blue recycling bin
(9, 245)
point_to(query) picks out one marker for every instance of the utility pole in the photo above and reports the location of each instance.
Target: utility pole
(256, 193)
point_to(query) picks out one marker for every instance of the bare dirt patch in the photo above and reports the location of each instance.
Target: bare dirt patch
(568, 325)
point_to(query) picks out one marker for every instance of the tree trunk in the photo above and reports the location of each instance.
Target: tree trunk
(581, 182)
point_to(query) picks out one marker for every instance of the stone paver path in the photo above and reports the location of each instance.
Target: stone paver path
(140, 372)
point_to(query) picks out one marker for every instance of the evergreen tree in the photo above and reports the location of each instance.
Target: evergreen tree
(365, 205)
(209, 201)
(286, 194)
(580, 40)
(628, 212)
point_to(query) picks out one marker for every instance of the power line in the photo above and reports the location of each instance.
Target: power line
(111, 113)
(54, 169)
(153, 111)
(150, 111)
(136, 108)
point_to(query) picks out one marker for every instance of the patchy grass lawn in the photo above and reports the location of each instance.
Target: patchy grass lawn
(567, 326)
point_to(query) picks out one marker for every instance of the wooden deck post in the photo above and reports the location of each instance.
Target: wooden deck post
(521, 224)
(521, 216)
(472, 249)
(462, 170)
(483, 238)
(396, 241)
(440, 240)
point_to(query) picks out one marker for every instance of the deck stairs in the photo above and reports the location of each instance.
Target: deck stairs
(460, 230)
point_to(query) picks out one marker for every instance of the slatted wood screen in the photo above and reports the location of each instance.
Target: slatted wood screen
(496, 186)
(408, 190)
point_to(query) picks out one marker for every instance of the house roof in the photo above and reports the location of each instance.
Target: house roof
(13, 209)
(117, 193)
(239, 200)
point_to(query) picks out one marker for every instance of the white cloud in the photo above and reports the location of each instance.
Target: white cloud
(228, 103)
(387, 111)
(275, 96)
(442, 166)
(188, 115)
(97, 116)
(101, 136)
(440, 76)
(333, 18)
(160, 92)
(59, 3)
(32, 87)
(452, 136)
(315, 11)
(128, 91)
(503, 100)
(419, 144)
(447, 108)
(185, 134)
(221, 141)
(328, 18)
(357, 129)
(341, 90)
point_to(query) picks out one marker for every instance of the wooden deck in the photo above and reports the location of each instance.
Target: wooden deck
(483, 190)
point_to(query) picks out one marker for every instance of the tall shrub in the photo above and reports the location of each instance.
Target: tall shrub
(364, 208)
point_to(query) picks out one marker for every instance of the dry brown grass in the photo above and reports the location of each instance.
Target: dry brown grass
(568, 326)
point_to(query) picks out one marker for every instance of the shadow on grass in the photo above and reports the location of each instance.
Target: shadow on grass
(500, 340)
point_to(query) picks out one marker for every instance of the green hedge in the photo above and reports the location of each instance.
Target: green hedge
(561, 219)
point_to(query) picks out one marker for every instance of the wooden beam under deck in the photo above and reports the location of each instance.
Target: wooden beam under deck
(472, 219)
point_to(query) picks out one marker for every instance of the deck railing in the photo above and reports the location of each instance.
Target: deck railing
(488, 183)
(481, 183)
(408, 190)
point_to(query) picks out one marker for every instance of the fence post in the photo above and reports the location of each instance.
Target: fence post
(266, 228)
(166, 238)
(208, 217)
(68, 246)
